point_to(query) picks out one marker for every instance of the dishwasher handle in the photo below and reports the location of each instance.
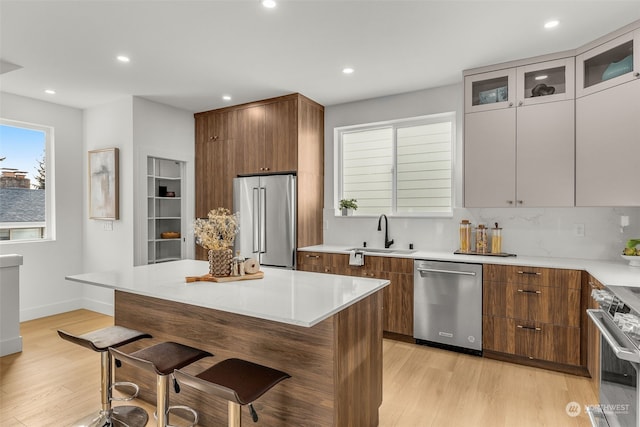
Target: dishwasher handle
(437, 270)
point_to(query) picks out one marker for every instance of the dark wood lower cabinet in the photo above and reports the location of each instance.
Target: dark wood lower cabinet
(398, 304)
(531, 315)
(535, 316)
(398, 296)
(534, 340)
(545, 304)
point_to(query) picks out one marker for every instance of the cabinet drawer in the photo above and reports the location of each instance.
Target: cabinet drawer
(553, 343)
(545, 304)
(532, 275)
(312, 258)
(322, 262)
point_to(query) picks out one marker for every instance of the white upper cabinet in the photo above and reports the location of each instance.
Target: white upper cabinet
(609, 64)
(545, 82)
(560, 132)
(490, 91)
(608, 122)
(545, 153)
(519, 150)
(608, 147)
(490, 158)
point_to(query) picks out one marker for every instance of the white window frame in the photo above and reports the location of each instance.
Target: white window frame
(49, 162)
(395, 124)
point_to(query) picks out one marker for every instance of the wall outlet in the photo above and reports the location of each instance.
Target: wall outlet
(107, 225)
(578, 230)
(624, 221)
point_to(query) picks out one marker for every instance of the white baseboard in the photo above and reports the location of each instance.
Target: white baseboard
(65, 306)
(10, 346)
(50, 309)
(98, 306)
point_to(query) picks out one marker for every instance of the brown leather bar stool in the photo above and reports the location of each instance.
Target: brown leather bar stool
(238, 381)
(163, 359)
(100, 340)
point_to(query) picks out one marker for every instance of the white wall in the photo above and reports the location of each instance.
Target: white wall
(534, 232)
(139, 128)
(43, 289)
(168, 133)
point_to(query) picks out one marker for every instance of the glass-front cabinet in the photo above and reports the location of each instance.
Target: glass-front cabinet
(609, 64)
(515, 120)
(490, 91)
(165, 221)
(546, 82)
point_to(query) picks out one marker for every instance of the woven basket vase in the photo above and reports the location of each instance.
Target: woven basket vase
(220, 262)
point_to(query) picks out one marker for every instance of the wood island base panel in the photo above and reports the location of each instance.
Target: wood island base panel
(335, 366)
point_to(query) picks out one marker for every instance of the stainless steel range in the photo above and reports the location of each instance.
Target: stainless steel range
(618, 321)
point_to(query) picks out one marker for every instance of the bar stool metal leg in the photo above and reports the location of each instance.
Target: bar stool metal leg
(235, 417)
(162, 405)
(108, 416)
(162, 359)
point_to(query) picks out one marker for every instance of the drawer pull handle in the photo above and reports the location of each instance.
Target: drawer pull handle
(529, 328)
(531, 273)
(525, 291)
(313, 256)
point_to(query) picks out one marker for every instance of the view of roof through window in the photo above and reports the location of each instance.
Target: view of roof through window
(22, 183)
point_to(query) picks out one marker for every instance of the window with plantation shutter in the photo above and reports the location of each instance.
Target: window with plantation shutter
(367, 158)
(402, 167)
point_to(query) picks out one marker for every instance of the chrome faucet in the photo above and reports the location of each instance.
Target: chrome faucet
(387, 242)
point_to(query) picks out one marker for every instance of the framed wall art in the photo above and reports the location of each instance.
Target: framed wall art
(103, 184)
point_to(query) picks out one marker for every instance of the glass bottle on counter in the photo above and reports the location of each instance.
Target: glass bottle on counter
(481, 239)
(496, 239)
(465, 236)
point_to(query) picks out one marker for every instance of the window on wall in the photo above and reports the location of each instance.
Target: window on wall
(402, 167)
(26, 181)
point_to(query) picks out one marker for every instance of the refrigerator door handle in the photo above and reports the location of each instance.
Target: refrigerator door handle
(255, 225)
(263, 220)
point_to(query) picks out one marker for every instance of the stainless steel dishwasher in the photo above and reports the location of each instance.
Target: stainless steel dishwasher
(447, 305)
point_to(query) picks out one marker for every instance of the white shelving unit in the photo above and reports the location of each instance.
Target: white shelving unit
(164, 210)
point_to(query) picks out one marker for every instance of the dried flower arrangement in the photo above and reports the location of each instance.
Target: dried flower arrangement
(218, 231)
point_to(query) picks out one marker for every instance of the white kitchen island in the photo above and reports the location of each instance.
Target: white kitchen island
(324, 330)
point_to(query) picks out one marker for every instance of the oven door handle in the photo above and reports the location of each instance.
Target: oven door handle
(620, 344)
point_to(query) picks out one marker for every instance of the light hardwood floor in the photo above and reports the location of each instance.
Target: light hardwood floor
(53, 383)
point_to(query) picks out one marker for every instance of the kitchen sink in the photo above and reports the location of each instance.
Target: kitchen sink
(383, 251)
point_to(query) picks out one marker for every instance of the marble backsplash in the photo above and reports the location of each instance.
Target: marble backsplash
(526, 231)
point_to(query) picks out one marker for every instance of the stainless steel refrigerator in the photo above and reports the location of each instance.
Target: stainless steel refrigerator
(267, 207)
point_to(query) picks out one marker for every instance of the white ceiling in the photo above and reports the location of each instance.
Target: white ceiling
(189, 53)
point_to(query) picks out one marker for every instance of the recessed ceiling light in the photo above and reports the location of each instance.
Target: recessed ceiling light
(348, 70)
(123, 58)
(551, 24)
(226, 97)
(50, 91)
(269, 4)
(542, 77)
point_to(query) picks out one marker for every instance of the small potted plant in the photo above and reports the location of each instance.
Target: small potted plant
(348, 206)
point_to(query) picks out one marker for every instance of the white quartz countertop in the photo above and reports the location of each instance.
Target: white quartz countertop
(286, 296)
(609, 273)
